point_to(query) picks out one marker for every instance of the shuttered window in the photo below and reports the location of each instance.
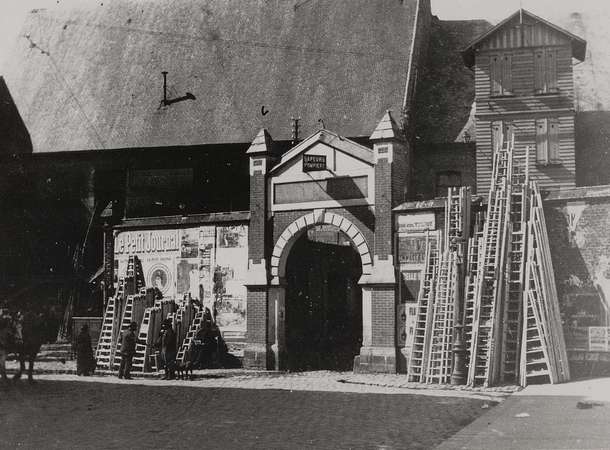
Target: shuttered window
(553, 126)
(545, 71)
(542, 148)
(500, 74)
(547, 141)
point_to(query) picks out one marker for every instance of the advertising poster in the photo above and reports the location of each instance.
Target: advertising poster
(189, 243)
(228, 277)
(157, 251)
(207, 258)
(207, 262)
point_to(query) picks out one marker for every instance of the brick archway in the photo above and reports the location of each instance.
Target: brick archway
(292, 232)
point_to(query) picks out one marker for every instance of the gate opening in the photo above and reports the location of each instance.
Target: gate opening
(323, 301)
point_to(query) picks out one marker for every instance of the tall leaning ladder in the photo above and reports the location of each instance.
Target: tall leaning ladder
(143, 341)
(103, 354)
(126, 320)
(190, 335)
(418, 361)
(515, 272)
(440, 356)
(470, 290)
(543, 354)
(484, 348)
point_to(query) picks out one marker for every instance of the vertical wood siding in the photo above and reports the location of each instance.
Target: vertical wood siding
(535, 34)
(552, 176)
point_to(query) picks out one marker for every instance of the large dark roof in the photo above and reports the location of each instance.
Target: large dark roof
(445, 91)
(90, 77)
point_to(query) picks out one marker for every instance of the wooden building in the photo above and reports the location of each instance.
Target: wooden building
(524, 85)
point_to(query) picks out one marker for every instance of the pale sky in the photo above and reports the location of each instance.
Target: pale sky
(12, 12)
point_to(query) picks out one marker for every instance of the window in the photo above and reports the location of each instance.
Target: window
(447, 179)
(500, 69)
(340, 188)
(545, 71)
(547, 141)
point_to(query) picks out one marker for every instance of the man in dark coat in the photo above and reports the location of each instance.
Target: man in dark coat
(5, 340)
(128, 349)
(168, 350)
(85, 363)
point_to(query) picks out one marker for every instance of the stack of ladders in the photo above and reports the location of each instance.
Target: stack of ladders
(132, 312)
(146, 338)
(511, 322)
(190, 335)
(183, 319)
(432, 358)
(418, 363)
(543, 352)
(484, 349)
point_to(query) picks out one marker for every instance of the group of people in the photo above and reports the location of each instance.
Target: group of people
(206, 348)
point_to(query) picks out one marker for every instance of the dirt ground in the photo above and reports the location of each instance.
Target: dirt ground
(77, 415)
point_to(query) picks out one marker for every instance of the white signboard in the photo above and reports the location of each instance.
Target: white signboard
(408, 223)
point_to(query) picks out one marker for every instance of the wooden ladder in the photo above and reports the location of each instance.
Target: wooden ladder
(486, 321)
(126, 320)
(470, 291)
(418, 361)
(543, 351)
(103, 352)
(143, 341)
(195, 325)
(512, 319)
(440, 355)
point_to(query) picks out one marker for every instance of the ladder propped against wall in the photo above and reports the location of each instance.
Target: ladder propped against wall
(441, 357)
(543, 353)
(125, 322)
(103, 354)
(515, 272)
(418, 361)
(470, 290)
(190, 335)
(484, 348)
(142, 348)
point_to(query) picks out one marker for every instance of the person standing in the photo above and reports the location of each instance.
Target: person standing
(128, 349)
(85, 364)
(5, 338)
(168, 350)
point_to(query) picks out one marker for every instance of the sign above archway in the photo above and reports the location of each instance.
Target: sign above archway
(323, 171)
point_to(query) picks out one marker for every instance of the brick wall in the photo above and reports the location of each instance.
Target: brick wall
(401, 174)
(361, 216)
(256, 230)
(580, 248)
(257, 315)
(383, 209)
(384, 317)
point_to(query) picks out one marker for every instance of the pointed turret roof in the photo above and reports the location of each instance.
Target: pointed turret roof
(387, 128)
(261, 143)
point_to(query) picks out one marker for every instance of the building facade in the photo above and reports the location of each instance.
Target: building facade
(310, 235)
(524, 86)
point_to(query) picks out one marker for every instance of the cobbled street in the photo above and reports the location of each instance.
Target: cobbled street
(68, 412)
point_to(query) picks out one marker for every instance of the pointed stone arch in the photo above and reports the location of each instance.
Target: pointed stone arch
(292, 232)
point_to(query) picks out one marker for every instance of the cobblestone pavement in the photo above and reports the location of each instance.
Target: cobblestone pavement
(69, 414)
(564, 416)
(308, 381)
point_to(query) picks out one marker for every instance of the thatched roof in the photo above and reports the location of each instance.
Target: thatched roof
(90, 78)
